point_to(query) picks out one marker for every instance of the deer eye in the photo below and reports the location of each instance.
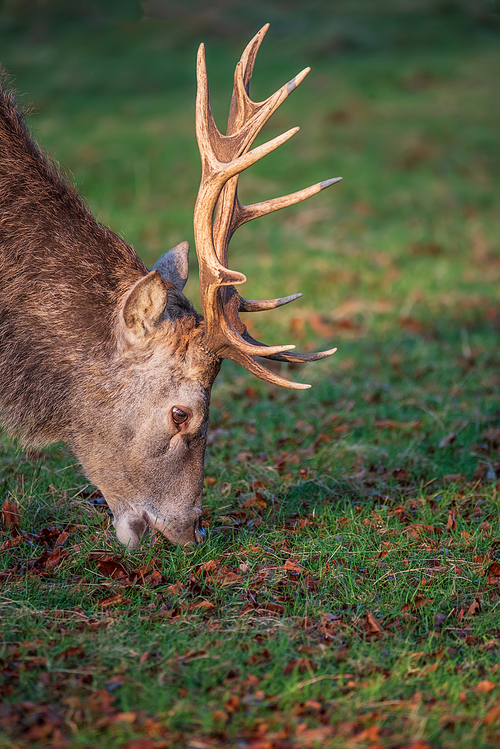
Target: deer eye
(179, 416)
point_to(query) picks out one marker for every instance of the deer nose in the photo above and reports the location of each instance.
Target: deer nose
(200, 534)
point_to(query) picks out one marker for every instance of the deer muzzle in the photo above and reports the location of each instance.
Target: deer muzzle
(131, 526)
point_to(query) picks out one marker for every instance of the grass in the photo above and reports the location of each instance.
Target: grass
(348, 592)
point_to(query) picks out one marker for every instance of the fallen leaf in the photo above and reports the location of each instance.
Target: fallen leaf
(292, 567)
(417, 529)
(10, 543)
(493, 715)
(207, 605)
(373, 626)
(311, 736)
(49, 560)
(155, 579)
(417, 603)
(474, 608)
(391, 424)
(72, 652)
(277, 608)
(448, 440)
(11, 517)
(62, 538)
(116, 600)
(124, 718)
(485, 686)
(110, 566)
(209, 566)
(255, 501)
(451, 523)
(429, 669)
(301, 664)
(493, 573)
(243, 457)
(175, 589)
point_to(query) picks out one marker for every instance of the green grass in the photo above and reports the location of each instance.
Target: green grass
(348, 593)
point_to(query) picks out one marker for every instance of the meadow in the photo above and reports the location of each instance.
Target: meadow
(348, 594)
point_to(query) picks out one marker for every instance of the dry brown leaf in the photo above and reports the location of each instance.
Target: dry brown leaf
(448, 440)
(292, 567)
(255, 501)
(451, 523)
(485, 686)
(493, 715)
(301, 664)
(207, 605)
(474, 608)
(175, 589)
(155, 579)
(124, 718)
(429, 669)
(493, 573)
(116, 600)
(11, 516)
(310, 736)
(10, 543)
(277, 608)
(418, 529)
(417, 603)
(391, 424)
(55, 557)
(110, 566)
(209, 566)
(372, 624)
(62, 538)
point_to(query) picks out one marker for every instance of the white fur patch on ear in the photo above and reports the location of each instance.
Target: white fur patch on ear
(145, 305)
(173, 266)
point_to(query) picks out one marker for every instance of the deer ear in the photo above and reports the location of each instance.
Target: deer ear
(145, 305)
(173, 266)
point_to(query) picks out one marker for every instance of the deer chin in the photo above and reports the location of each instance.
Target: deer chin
(131, 526)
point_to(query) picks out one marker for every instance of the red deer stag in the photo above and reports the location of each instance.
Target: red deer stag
(99, 352)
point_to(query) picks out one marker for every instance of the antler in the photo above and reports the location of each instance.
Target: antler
(223, 158)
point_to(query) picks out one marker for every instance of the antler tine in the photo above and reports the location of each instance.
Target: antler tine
(264, 374)
(246, 213)
(247, 61)
(252, 305)
(290, 357)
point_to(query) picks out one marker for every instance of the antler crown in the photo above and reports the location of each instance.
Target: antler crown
(223, 158)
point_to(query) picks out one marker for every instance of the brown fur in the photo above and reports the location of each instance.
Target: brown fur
(95, 351)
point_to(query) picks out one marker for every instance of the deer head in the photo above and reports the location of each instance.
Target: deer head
(176, 352)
